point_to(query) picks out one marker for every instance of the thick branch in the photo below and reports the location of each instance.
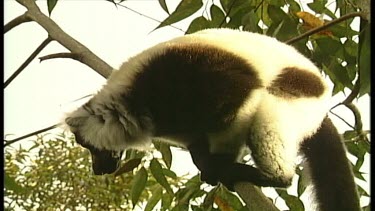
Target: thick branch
(15, 22)
(325, 26)
(357, 116)
(56, 33)
(354, 93)
(253, 197)
(28, 60)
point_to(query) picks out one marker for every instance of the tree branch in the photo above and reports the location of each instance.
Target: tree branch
(357, 116)
(28, 60)
(9, 142)
(15, 22)
(342, 119)
(253, 197)
(325, 26)
(61, 55)
(56, 33)
(143, 15)
(354, 93)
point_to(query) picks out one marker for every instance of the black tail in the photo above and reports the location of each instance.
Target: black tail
(331, 172)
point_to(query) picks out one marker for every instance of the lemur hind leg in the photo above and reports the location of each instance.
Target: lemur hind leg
(223, 168)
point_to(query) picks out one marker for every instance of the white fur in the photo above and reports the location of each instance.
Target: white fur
(274, 125)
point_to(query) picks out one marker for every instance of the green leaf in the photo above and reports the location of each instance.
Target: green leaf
(225, 4)
(233, 7)
(185, 9)
(128, 166)
(164, 5)
(51, 5)
(166, 153)
(341, 74)
(138, 185)
(191, 190)
(277, 29)
(328, 45)
(351, 48)
(303, 181)
(166, 201)
(287, 29)
(196, 208)
(353, 148)
(277, 3)
(318, 6)
(250, 21)
(350, 135)
(11, 184)
(337, 85)
(235, 10)
(342, 30)
(276, 14)
(181, 207)
(209, 199)
(229, 198)
(362, 192)
(293, 6)
(155, 198)
(217, 16)
(169, 173)
(157, 172)
(364, 58)
(197, 24)
(133, 153)
(293, 202)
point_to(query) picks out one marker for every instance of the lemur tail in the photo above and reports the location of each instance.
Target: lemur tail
(330, 171)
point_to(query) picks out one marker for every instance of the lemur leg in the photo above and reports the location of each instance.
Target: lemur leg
(204, 161)
(223, 168)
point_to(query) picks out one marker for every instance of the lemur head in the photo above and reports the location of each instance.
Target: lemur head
(103, 161)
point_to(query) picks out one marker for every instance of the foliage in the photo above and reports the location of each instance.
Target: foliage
(55, 174)
(60, 166)
(335, 50)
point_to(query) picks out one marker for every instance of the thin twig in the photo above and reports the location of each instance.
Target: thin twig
(325, 26)
(15, 22)
(9, 142)
(28, 60)
(146, 16)
(74, 56)
(342, 119)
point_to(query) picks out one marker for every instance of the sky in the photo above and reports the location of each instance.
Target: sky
(41, 95)
(45, 91)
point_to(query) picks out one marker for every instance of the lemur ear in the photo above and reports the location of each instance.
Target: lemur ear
(77, 118)
(75, 122)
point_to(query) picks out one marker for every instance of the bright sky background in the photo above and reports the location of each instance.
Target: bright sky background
(41, 94)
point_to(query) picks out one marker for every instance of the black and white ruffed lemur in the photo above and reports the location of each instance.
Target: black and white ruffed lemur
(215, 92)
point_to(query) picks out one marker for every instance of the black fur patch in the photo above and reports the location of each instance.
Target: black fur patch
(295, 82)
(331, 172)
(192, 88)
(103, 161)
